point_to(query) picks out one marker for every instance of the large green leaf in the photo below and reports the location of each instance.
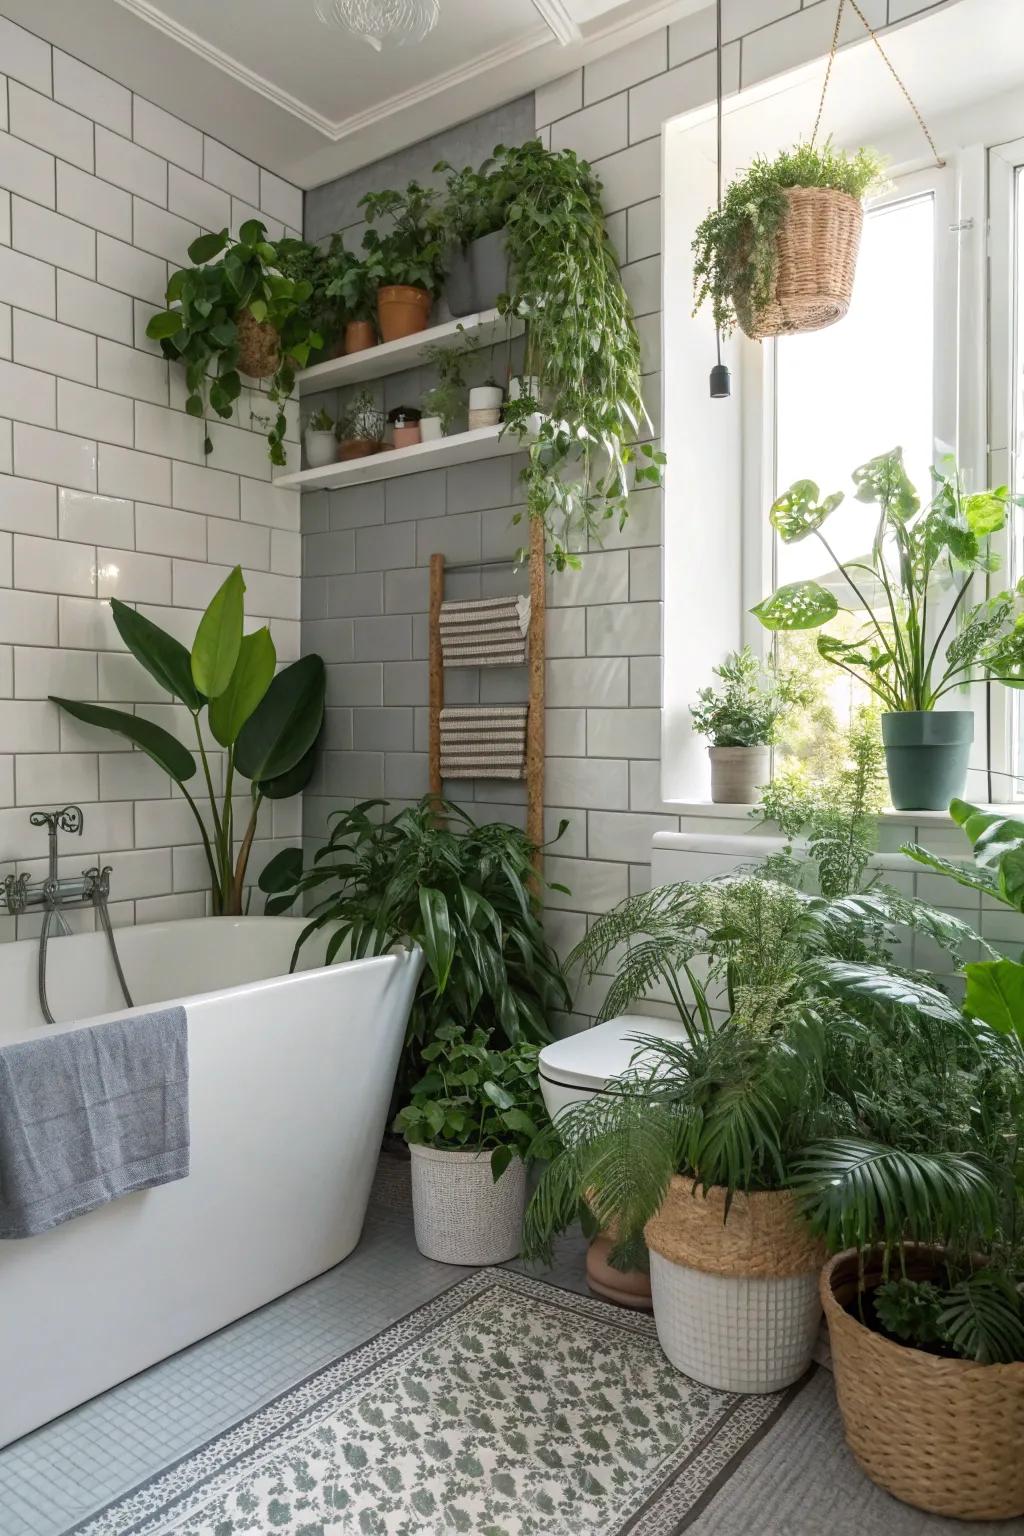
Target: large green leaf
(283, 872)
(995, 995)
(285, 723)
(219, 637)
(293, 782)
(206, 247)
(850, 978)
(253, 674)
(798, 513)
(163, 657)
(437, 937)
(165, 750)
(798, 605)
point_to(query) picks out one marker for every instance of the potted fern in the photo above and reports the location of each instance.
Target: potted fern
(780, 253)
(742, 719)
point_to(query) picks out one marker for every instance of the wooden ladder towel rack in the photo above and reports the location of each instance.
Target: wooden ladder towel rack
(534, 766)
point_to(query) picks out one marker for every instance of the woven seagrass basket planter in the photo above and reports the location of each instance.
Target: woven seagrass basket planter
(735, 1300)
(259, 346)
(816, 260)
(943, 1435)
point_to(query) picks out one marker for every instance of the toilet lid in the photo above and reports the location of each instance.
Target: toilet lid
(590, 1058)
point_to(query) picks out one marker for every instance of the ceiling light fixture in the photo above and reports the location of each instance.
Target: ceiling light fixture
(382, 23)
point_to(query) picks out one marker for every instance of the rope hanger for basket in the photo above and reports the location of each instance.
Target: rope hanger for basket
(869, 29)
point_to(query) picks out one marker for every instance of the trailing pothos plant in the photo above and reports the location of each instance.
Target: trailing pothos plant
(735, 256)
(465, 893)
(585, 454)
(474, 1098)
(267, 722)
(912, 586)
(199, 326)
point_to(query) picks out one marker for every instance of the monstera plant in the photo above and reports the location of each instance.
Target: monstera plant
(267, 724)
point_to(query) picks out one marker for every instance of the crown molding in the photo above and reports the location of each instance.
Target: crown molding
(557, 16)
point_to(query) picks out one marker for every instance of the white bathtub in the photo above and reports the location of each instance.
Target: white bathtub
(290, 1079)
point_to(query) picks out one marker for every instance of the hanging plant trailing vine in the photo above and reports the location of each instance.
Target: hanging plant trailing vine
(581, 343)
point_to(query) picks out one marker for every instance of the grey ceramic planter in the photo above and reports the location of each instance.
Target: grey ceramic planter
(489, 265)
(458, 288)
(926, 754)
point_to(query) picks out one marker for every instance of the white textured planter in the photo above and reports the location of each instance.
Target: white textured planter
(737, 773)
(321, 449)
(460, 1215)
(743, 1333)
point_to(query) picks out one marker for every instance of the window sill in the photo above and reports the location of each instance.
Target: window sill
(712, 808)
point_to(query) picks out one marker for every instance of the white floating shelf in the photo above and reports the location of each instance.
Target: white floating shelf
(396, 356)
(460, 448)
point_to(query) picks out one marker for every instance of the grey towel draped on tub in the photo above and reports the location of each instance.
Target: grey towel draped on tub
(87, 1115)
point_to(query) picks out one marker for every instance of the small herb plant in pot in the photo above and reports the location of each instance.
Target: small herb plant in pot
(320, 439)
(445, 401)
(360, 427)
(469, 1123)
(919, 576)
(780, 254)
(741, 720)
(234, 312)
(406, 263)
(354, 287)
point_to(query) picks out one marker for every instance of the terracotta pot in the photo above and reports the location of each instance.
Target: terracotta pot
(407, 436)
(357, 448)
(359, 334)
(943, 1435)
(259, 352)
(625, 1287)
(402, 310)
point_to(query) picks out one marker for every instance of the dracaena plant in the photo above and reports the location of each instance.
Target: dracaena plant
(199, 326)
(920, 639)
(266, 722)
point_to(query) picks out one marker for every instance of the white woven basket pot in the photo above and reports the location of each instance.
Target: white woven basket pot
(460, 1215)
(743, 1313)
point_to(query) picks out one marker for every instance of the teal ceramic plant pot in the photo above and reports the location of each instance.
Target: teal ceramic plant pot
(926, 753)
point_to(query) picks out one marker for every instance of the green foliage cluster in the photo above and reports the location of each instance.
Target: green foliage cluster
(199, 326)
(735, 260)
(915, 552)
(473, 1096)
(582, 344)
(475, 203)
(863, 1087)
(447, 398)
(464, 893)
(266, 721)
(362, 419)
(320, 420)
(411, 248)
(749, 708)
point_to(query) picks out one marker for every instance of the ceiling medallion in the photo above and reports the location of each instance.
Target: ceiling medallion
(382, 23)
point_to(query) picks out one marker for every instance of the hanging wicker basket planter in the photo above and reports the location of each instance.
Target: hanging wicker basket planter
(816, 260)
(259, 346)
(944, 1435)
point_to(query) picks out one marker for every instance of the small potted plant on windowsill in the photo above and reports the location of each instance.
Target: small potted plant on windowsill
(741, 720)
(916, 553)
(406, 265)
(780, 253)
(360, 427)
(320, 439)
(469, 1124)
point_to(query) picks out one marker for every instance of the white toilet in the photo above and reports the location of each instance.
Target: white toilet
(577, 1068)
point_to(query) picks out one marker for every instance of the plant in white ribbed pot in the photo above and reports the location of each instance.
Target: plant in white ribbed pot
(692, 1159)
(469, 1123)
(741, 720)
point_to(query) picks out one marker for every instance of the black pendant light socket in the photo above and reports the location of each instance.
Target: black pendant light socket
(721, 384)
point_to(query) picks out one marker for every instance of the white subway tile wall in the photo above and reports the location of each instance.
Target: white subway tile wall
(104, 487)
(365, 548)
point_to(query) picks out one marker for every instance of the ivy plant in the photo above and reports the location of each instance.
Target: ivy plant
(411, 249)
(473, 1097)
(199, 326)
(917, 553)
(581, 343)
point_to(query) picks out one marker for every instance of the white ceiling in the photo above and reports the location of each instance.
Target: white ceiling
(312, 102)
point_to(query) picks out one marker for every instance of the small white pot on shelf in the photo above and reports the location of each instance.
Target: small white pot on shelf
(461, 1216)
(431, 429)
(485, 402)
(321, 449)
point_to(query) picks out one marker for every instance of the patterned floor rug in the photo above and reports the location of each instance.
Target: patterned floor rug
(505, 1407)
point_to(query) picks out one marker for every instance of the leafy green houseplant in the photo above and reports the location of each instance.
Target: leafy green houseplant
(266, 724)
(446, 400)
(406, 261)
(235, 312)
(741, 720)
(585, 455)
(897, 595)
(353, 287)
(470, 1122)
(465, 893)
(361, 426)
(320, 267)
(473, 218)
(737, 246)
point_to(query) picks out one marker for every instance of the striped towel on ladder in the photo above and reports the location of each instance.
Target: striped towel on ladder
(485, 632)
(483, 742)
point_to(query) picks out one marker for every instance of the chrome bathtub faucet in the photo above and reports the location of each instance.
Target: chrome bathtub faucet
(56, 895)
